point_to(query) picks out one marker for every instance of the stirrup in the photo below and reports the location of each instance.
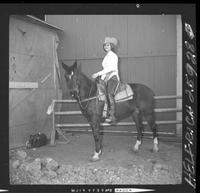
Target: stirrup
(111, 120)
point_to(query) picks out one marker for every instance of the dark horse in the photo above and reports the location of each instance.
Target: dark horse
(141, 106)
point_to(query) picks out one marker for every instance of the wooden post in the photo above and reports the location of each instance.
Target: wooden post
(179, 73)
(53, 133)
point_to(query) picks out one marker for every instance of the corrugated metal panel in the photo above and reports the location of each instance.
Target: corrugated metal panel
(151, 35)
(84, 34)
(139, 35)
(147, 48)
(156, 72)
(147, 45)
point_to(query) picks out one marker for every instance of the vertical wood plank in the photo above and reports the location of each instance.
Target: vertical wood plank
(179, 72)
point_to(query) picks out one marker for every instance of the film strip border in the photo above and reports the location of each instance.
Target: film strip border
(190, 102)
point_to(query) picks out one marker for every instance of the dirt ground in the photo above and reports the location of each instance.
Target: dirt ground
(118, 163)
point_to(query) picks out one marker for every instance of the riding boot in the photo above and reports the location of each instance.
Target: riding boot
(112, 119)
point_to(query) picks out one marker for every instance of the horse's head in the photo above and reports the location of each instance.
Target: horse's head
(72, 78)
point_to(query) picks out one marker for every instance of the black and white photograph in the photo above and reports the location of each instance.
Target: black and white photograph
(105, 101)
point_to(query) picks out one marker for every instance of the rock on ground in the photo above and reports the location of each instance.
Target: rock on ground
(29, 170)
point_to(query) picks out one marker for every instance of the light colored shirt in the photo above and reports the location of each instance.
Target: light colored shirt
(109, 64)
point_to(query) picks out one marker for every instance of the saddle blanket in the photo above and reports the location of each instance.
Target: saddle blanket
(123, 93)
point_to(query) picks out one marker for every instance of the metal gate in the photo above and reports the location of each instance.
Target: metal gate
(85, 127)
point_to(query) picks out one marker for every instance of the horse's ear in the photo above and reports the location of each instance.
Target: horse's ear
(77, 66)
(65, 66)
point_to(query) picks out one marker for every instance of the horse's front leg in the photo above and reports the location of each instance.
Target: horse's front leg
(95, 124)
(137, 117)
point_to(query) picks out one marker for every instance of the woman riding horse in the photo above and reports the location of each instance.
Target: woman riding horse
(110, 73)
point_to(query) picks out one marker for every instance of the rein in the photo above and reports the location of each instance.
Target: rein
(87, 99)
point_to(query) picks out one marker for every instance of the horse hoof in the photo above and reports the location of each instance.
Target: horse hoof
(95, 159)
(155, 149)
(96, 156)
(136, 150)
(136, 146)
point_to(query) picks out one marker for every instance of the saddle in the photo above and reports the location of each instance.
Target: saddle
(123, 92)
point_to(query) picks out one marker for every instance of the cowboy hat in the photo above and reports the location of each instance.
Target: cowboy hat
(111, 40)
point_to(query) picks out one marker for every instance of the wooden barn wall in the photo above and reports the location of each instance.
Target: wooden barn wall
(147, 50)
(31, 59)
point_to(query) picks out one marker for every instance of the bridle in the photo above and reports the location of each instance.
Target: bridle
(88, 98)
(85, 100)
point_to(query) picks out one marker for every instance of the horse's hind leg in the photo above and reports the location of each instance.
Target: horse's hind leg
(137, 117)
(151, 121)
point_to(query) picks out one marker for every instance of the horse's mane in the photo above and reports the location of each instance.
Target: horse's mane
(88, 82)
